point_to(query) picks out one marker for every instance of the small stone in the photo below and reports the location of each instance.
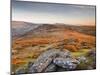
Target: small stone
(82, 59)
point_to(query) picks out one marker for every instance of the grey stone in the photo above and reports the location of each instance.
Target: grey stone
(68, 63)
(51, 68)
(51, 60)
(46, 58)
(82, 59)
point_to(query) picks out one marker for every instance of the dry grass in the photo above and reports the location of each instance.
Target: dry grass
(28, 49)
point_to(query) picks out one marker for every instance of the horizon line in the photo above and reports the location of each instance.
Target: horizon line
(53, 23)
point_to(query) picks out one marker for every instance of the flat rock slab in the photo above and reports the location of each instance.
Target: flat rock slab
(68, 63)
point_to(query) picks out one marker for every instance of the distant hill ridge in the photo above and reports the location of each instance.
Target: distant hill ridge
(20, 28)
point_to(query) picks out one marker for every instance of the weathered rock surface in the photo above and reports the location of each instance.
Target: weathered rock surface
(82, 59)
(68, 63)
(46, 58)
(51, 68)
(53, 60)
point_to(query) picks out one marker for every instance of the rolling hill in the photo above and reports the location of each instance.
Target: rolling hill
(33, 39)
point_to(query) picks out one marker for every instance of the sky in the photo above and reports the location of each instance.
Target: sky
(36, 12)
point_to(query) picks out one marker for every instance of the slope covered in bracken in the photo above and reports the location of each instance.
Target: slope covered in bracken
(31, 44)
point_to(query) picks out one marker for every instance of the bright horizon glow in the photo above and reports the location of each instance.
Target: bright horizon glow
(53, 13)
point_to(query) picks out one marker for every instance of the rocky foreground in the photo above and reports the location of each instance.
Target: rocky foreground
(55, 60)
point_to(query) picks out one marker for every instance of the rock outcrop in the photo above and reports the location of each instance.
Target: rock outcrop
(52, 60)
(46, 58)
(55, 60)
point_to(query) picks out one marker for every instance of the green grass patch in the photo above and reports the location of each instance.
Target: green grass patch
(81, 52)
